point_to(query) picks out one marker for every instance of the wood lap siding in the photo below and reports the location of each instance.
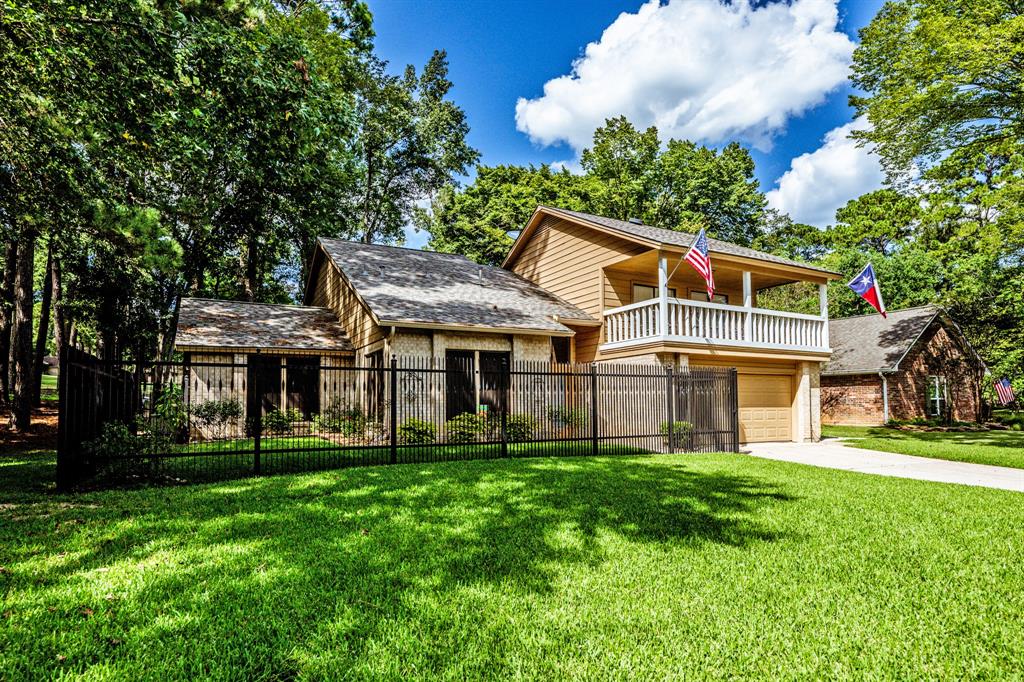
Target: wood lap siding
(567, 260)
(331, 291)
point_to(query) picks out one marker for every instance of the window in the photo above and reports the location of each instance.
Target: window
(697, 295)
(645, 292)
(560, 350)
(302, 386)
(475, 382)
(936, 406)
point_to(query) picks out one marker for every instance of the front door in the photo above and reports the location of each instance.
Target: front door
(494, 381)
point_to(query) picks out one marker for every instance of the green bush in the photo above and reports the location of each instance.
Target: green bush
(417, 432)
(568, 417)
(520, 427)
(340, 417)
(170, 419)
(465, 428)
(680, 430)
(277, 421)
(118, 449)
(216, 415)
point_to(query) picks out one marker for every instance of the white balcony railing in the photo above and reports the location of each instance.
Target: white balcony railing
(714, 324)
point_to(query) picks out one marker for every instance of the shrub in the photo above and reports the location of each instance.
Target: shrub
(568, 417)
(680, 430)
(118, 449)
(340, 417)
(277, 421)
(520, 427)
(417, 432)
(169, 417)
(465, 428)
(215, 415)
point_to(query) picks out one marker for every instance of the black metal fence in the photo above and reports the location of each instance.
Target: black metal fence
(196, 420)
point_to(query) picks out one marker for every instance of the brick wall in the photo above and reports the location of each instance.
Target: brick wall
(858, 399)
(851, 399)
(939, 353)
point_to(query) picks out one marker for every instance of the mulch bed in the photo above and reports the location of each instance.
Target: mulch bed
(42, 434)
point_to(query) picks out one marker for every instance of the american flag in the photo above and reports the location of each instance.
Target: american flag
(1005, 391)
(698, 257)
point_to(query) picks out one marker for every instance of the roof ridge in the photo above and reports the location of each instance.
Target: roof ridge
(936, 306)
(394, 246)
(277, 305)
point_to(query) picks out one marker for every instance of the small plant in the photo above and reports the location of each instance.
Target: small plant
(169, 416)
(417, 432)
(465, 427)
(216, 415)
(117, 448)
(520, 427)
(679, 431)
(567, 417)
(276, 421)
(340, 417)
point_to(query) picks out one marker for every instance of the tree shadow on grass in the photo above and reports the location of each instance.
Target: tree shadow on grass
(341, 559)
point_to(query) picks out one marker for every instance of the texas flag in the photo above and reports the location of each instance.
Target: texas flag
(866, 286)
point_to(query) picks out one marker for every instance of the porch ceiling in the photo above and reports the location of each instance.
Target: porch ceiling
(728, 275)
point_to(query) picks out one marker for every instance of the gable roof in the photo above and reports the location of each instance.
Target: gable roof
(868, 344)
(211, 323)
(409, 287)
(655, 237)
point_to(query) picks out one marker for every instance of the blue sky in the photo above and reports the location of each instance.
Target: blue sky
(771, 76)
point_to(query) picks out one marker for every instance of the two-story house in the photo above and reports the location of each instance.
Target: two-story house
(574, 288)
(653, 307)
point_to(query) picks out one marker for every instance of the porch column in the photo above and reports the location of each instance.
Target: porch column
(662, 295)
(823, 312)
(748, 303)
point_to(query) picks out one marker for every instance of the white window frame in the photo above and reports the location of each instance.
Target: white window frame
(654, 291)
(936, 395)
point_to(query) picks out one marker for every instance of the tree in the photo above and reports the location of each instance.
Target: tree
(717, 189)
(626, 175)
(940, 77)
(412, 142)
(624, 162)
(479, 221)
(876, 221)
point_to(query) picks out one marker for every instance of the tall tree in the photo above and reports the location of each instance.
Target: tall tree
(877, 220)
(412, 142)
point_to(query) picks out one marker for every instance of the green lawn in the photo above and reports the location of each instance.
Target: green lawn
(1002, 448)
(650, 567)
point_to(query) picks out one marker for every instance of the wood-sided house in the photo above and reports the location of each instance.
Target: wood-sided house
(574, 288)
(653, 307)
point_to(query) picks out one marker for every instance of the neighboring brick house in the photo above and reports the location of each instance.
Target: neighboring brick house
(916, 363)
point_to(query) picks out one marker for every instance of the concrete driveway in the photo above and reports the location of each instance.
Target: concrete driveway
(832, 454)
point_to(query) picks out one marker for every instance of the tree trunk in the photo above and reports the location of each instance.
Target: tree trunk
(251, 268)
(43, 332)
(22, 336)
(60, 328)
(7, 318)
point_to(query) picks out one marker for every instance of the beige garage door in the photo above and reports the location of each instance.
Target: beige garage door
(766, 412)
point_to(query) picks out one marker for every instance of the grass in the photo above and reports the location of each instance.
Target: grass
(1001, 448)
(649, 567)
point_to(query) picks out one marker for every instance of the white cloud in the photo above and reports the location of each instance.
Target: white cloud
(703, 70)
(819, 182)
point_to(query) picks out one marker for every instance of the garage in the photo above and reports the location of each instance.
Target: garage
(766, 407)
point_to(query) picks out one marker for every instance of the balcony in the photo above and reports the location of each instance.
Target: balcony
(716, 324)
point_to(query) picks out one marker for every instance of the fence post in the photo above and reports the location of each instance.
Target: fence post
(670, 405)
(64, 474)
(504, 411)
(734, 386)
(257, 423)
(593, 407)
(394, 409)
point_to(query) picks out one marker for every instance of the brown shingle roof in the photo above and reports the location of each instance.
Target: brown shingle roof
(422, 287)
(868, 344)
(663, 235)
(204, 322)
